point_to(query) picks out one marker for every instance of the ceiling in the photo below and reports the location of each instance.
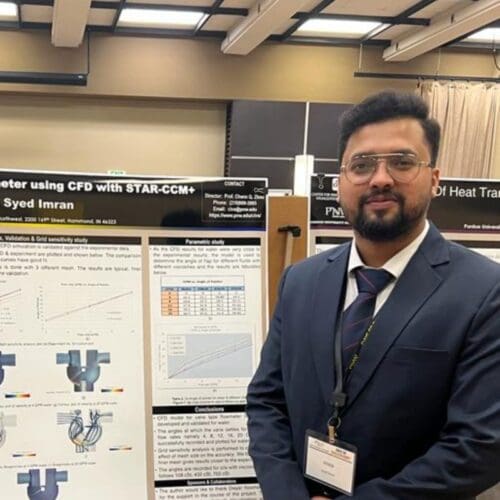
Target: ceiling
(406, 28)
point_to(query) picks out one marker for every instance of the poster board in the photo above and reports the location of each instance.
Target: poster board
(132, 312)
(465, 211)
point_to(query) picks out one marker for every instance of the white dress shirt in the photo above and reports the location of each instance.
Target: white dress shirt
(395, 265)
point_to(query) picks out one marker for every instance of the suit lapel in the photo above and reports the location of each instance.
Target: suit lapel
(414, 287)
(328, 295)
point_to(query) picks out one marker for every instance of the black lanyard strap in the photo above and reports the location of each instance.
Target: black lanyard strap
(339, 396)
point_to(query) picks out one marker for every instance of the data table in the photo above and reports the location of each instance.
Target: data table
(224, 297)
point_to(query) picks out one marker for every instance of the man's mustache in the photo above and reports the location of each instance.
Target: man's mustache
(381, 195)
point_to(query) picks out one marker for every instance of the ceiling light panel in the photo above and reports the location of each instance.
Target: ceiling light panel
(485, 35)
(444, 28)
(160, 18)
(261, 22)
(336, 28)
(8, 11)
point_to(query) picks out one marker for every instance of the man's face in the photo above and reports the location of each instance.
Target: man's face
(383, 209)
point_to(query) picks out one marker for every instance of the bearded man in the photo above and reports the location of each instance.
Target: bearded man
(380, 374)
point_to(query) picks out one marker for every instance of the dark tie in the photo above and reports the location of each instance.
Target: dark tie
(359, 315)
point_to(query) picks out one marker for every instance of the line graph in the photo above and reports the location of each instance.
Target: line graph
(10, 308)
(87, 306)
(209, 356)
(5, 297)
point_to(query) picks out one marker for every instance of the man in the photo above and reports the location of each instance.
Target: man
(422, 379)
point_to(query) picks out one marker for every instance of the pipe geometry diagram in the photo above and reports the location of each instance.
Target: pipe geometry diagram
(37, 491)
(6, 360)
(84, 436)
(83, 377)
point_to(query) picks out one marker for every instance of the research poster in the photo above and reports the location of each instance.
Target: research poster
(465, 210)
(131, 317)
(207, 323)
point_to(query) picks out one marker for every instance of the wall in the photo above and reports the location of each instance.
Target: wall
(96, 135)
(196, 69)
(148, 129)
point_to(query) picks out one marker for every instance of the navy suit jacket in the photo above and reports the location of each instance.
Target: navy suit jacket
(424, 399)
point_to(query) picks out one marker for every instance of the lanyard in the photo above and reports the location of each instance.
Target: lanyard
(339, 397)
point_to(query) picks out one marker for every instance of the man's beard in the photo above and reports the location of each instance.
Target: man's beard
(379, 229)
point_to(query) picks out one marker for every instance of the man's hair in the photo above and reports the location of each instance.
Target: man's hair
(390, 105)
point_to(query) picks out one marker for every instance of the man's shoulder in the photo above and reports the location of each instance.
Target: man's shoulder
(463, 257)
(472, 269)
(473, 256)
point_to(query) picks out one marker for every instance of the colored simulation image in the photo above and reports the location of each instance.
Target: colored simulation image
(39, 489)
(85, 429)
(83, 376)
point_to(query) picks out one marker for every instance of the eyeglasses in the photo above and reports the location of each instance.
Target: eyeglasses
(402, 167)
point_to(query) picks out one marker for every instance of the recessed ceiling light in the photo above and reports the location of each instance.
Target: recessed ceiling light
(486, 35)
(8, 11)
(338, 27)
(160, 17)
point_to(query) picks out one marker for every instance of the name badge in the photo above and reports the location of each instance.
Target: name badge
(332, 465)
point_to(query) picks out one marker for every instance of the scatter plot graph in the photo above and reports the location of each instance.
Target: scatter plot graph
(209, 356)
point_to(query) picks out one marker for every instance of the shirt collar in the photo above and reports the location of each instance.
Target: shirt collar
(396, 264)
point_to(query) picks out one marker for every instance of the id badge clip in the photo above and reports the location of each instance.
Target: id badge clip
(329, 461)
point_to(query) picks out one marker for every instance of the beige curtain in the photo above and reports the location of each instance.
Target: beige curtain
(469, 114)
